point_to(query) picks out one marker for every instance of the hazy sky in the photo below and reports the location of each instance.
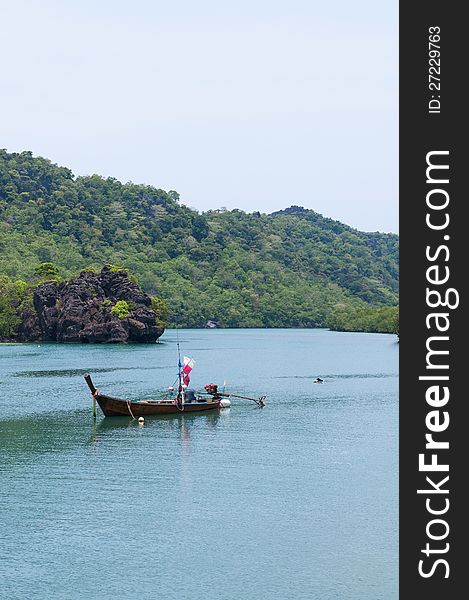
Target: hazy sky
(250, 104)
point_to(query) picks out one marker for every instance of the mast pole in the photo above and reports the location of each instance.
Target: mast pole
(181, 389)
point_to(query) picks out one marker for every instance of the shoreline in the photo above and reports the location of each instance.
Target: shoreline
(94, 344)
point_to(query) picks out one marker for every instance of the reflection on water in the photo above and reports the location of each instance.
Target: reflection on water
(51, 433)
(176, 420)
(329, 376)
(60, 372)
(297, 500)
(75, 372)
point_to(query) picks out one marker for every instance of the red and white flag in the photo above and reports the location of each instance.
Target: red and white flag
(188, 365)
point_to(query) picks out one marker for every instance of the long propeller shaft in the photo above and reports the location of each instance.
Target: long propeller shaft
(258, 401)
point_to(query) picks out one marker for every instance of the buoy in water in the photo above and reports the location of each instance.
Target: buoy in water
(225, 403)
(141, 420)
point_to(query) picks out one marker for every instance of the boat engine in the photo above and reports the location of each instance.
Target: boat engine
(212, 389)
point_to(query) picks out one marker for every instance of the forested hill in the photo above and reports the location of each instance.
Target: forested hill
(290, 268)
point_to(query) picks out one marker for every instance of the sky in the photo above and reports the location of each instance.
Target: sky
(253, 104)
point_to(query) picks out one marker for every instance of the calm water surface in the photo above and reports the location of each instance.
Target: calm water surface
(294, 501)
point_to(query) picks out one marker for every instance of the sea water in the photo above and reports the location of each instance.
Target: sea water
(297, 500)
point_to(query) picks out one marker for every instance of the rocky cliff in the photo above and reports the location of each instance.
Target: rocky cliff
(94, 307)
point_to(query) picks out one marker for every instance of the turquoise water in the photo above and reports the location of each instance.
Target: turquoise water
(298, 500)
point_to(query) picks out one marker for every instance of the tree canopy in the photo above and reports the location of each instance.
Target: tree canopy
(292, 268)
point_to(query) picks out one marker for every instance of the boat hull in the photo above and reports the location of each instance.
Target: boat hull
(116, 407)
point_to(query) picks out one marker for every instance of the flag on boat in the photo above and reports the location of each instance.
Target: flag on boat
(188, 365)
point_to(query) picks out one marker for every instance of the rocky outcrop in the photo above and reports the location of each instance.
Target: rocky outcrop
(104, 307)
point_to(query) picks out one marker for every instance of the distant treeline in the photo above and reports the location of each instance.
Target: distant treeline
(16, 299)
(370, 319)
(293, 268)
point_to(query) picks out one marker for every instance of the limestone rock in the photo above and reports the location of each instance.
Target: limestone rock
(80, 311)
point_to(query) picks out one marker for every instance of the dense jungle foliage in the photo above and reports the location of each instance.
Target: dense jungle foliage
(293, 268)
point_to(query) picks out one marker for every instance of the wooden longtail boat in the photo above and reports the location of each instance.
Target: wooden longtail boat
(185, 400)
(117, 407)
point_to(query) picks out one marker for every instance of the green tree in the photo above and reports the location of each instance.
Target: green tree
(160, 308)
(121, 309)
(14, 296)
(47, 271)
(200, 228)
